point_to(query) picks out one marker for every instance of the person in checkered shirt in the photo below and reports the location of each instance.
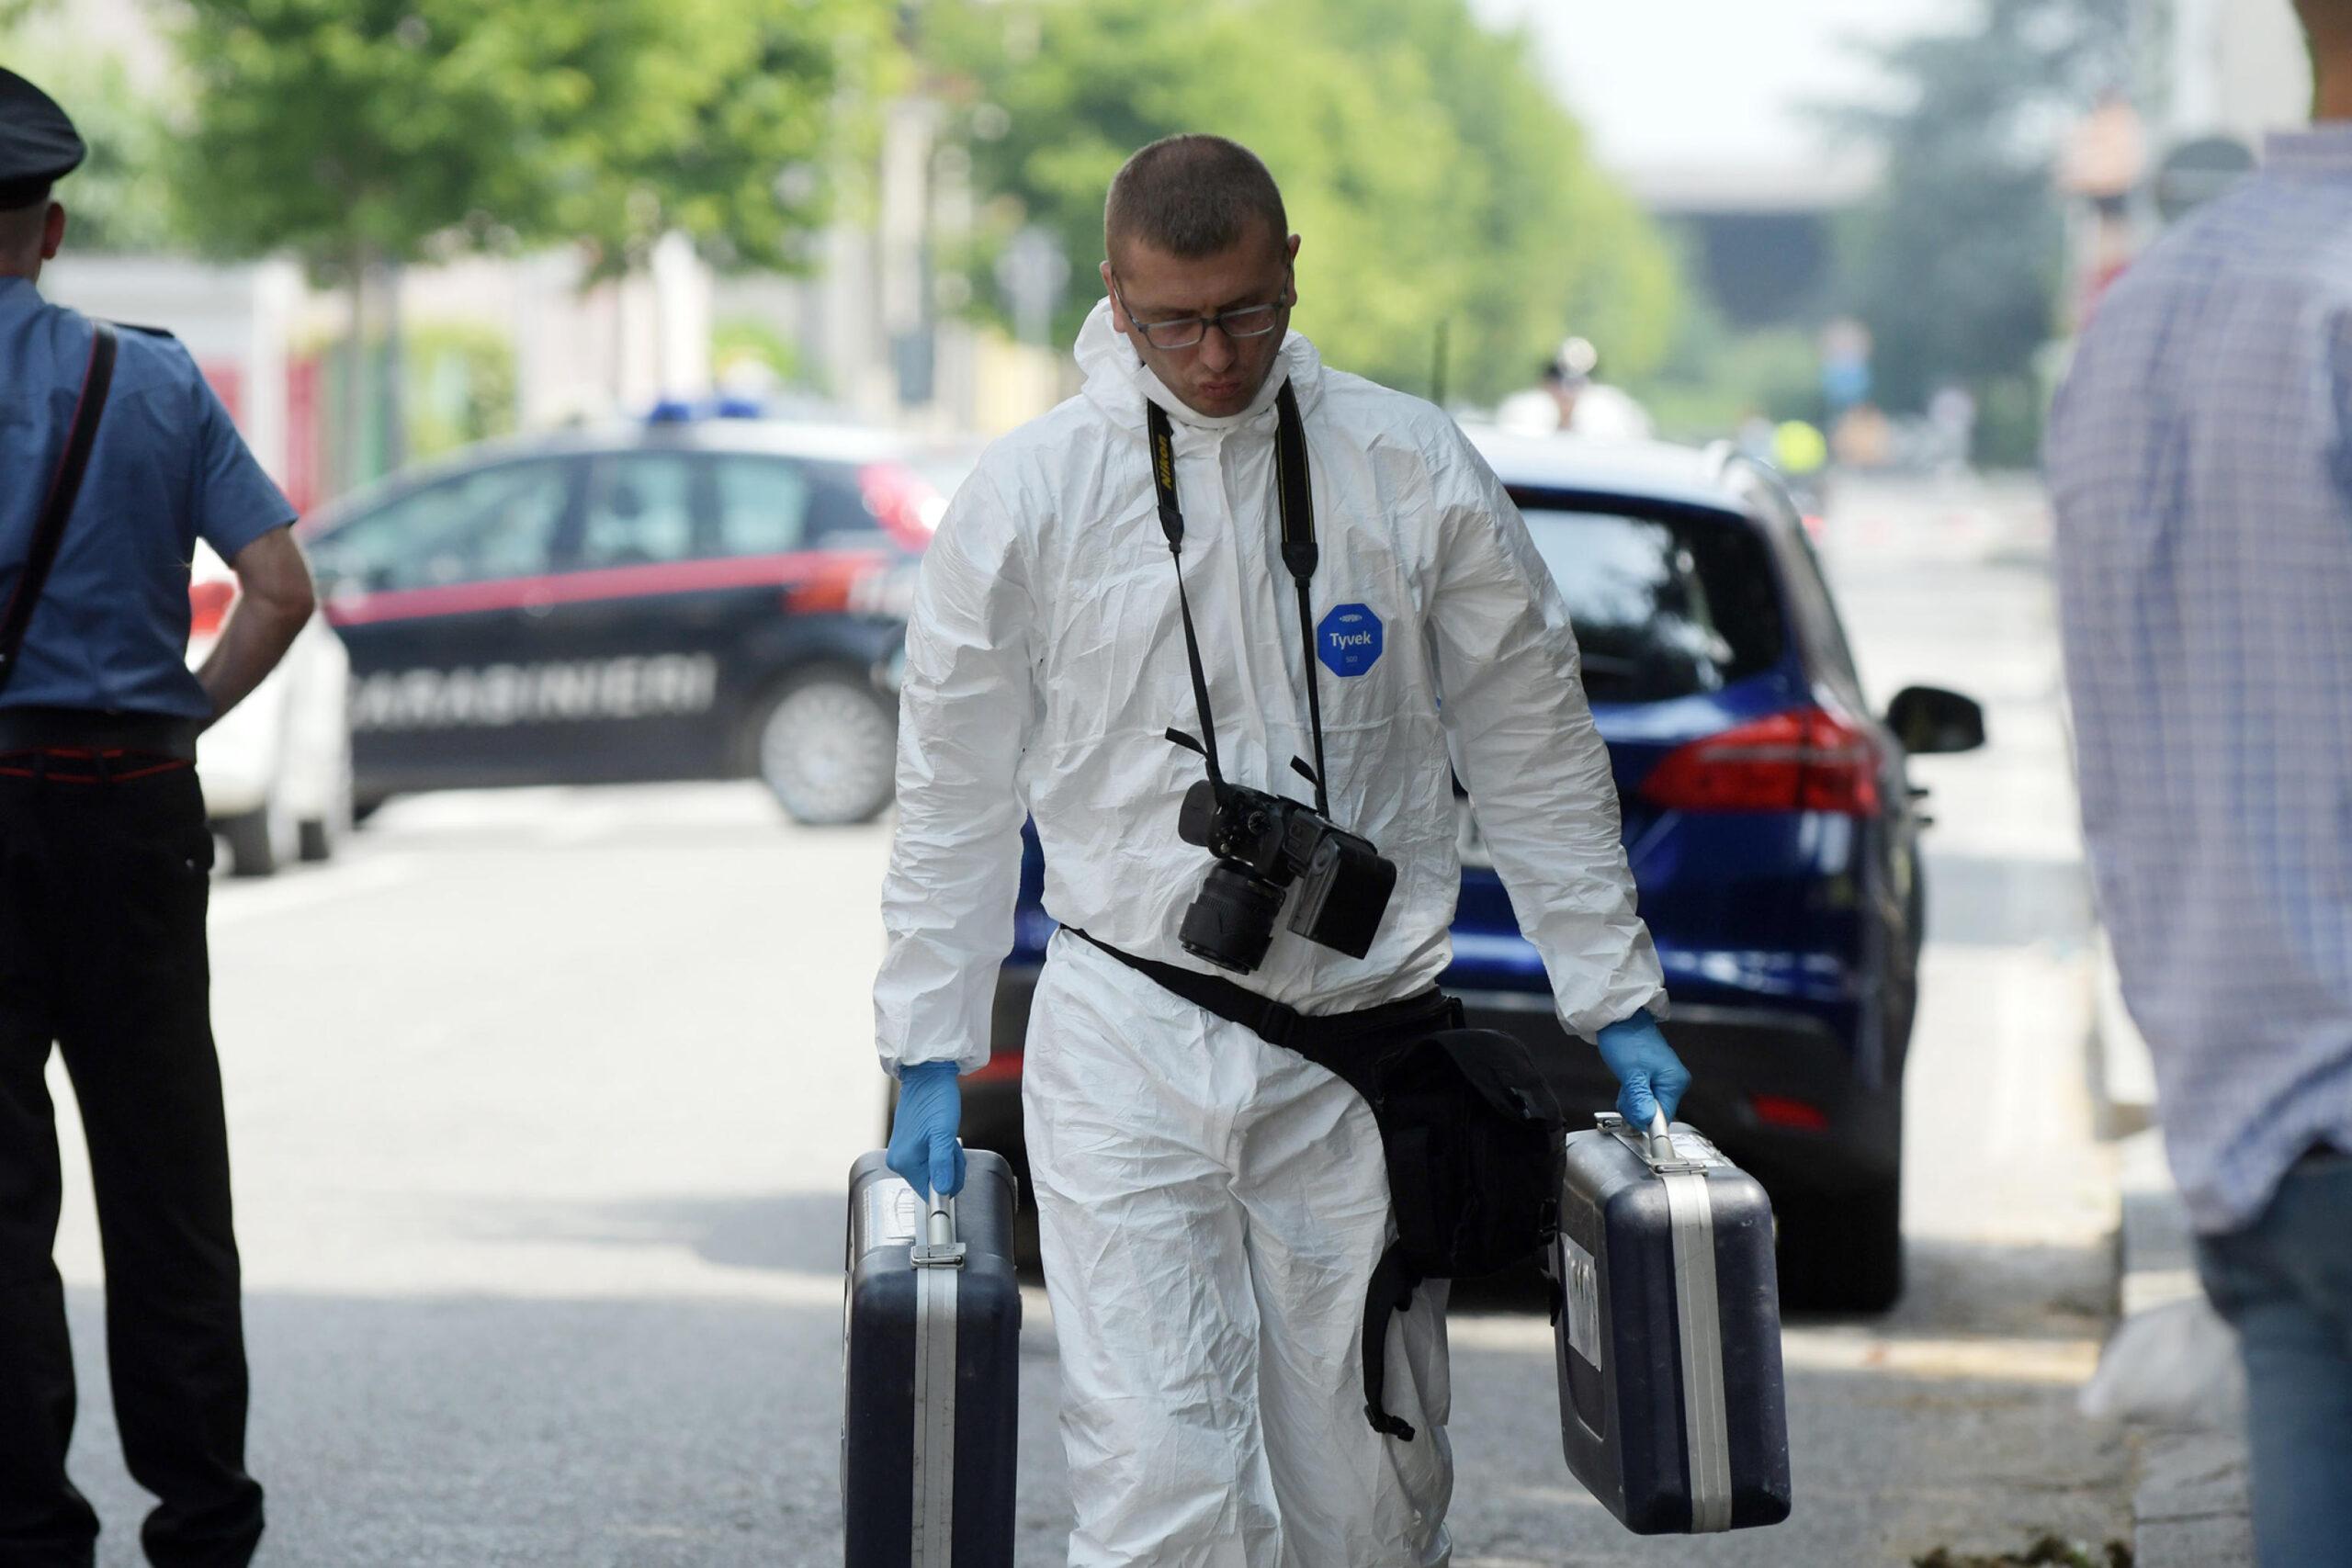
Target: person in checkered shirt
(2200, 464)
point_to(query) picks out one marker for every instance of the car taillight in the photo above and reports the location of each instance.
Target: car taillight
(860, 584)
(1808, 760)
(1002, 1067)
(1782, 1110)
(907, 505)
(207, 606)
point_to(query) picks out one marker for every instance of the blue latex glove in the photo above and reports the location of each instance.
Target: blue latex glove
(1649, 1074)
(923, 1150)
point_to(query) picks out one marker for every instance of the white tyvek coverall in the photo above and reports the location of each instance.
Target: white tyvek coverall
(1210, 1205)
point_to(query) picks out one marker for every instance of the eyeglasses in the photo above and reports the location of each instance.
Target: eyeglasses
(1183, 332)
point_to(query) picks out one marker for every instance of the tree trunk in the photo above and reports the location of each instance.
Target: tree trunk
(350, 469)
(393, 402)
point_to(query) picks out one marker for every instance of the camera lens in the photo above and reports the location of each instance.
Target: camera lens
(1232, 922)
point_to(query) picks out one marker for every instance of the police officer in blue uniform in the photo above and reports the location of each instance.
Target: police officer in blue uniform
(104, 857)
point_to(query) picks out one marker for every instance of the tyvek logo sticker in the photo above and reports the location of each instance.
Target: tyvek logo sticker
(1349, 640)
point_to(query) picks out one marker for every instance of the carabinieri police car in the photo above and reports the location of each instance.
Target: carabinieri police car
(697, 596)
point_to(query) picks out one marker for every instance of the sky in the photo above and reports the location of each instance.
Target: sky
(1672, 82)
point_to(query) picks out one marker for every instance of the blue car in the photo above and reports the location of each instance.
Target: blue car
(1770, 825)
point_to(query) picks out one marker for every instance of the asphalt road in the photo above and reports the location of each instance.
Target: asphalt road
(542, 1103)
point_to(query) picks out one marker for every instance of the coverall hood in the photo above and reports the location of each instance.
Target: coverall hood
(1117, 380)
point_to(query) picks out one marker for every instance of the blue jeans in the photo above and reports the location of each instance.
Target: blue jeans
(2285, 1283)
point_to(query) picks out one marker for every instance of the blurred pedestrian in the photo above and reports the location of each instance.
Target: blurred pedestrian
(1550, 406)
(1567, 400)
(1951, 419)
(2200, 462)
(1213, 1206)
(114, 458)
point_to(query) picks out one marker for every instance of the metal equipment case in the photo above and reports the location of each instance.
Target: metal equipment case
(1672, 1410)
(932, 1372)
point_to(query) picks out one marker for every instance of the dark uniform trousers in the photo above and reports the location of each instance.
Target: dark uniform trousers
(103, 873)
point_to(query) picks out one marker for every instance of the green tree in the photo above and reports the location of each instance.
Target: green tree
(1957, 266)
(726, 128)
(120, 198)
(1434, 178)
(367, 133)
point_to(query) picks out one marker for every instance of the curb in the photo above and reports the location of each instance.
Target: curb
(2189, 1506)
(2124, 1077)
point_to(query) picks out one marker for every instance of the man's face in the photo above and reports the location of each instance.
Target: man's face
(1220, 375)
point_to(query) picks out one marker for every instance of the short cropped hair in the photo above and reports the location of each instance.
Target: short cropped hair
(2329, 22)
(1192, 195)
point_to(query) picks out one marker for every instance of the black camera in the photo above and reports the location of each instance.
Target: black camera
(1264, 843)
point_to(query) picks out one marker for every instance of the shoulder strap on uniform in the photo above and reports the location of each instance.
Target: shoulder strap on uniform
(64, 485)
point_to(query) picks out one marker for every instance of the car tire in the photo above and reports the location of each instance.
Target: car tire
(261, 840)
(1842, 1253)
(316, 837)
(826, 746)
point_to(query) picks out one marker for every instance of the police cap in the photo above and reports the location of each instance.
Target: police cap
(37, 144)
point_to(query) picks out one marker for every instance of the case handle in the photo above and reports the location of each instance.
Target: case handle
(939, 1249)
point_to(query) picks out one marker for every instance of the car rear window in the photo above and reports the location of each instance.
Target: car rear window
(1665, 604)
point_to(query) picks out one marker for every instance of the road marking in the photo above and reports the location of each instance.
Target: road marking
(309, 888)
(1947, 1359)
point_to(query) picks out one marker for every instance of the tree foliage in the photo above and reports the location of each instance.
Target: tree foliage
(1957, 265)
(726, 130)
(1433, 175)
(119, 198)
(347, 128)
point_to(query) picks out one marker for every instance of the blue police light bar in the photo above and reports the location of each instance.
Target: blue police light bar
(682, 411)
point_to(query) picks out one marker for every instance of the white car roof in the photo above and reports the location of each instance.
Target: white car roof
(1658, 471)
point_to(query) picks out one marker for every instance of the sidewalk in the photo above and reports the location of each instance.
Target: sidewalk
(2189, 1500)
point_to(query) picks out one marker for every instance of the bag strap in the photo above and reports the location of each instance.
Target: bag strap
(57, 506)
(1390, 1292)
(1278, 1023)
(1408, 1152)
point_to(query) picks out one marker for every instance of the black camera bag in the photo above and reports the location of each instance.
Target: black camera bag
(1473, 1135)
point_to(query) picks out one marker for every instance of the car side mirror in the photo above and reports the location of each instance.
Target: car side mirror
(1928, 720)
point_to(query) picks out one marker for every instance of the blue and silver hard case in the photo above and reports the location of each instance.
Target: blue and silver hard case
(1672, 1409)
(932, 1373)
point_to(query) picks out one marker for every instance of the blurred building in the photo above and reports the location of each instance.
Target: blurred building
(1760, 237)
(2219, 76)
(2235, 68)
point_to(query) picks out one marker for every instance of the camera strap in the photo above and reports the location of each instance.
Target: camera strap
(1294, 499)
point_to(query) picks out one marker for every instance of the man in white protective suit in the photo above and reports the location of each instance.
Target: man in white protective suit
(1211, 1206)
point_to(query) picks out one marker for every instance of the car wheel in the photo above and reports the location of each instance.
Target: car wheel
(261, 840)
(826, 747)
(316, 837)
(1842, 1252)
